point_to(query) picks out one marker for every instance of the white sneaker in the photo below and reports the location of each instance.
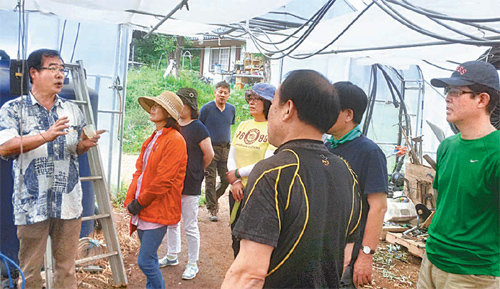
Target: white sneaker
(165, 261)
(213, 218)
(190, 272)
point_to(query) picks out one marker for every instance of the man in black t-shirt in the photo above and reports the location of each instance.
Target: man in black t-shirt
(369, 163)
(302, 204)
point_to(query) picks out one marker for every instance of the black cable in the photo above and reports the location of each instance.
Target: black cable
(415, 27)
(395, 102)
(337, 37)
(400, 96)
(478, 26)
(62, 36)
(440, 23)
(288, 36)
(76, 40)
(297, 43)
(373, 95)
(402, 20)
(320, 13)
(435, 14)
(326, 46)
(437, 66)
(456, 30)
(287, 13)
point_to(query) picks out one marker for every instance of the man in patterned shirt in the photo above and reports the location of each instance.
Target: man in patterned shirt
(47, 196)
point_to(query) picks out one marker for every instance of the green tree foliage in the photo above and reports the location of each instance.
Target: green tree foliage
(147, 81)
(158, 47)
(149, 50)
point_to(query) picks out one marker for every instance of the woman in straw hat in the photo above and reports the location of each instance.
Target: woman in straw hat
(200, 154)
(154, 196)
(249, 146)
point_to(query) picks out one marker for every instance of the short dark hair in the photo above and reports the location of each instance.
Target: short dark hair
(194, 112)
(494, 95)
(352, 97)
(36, 57)
(267, 106)
(314, 97)
(223, 84)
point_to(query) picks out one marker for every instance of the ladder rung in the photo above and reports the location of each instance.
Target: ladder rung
(73, 65)
(90, 178)
(95, 217)
(96, 257)
(79, 101)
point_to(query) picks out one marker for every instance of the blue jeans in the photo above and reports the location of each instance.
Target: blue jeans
(148, 256)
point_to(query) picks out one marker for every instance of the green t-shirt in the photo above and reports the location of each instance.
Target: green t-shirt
(464, 233)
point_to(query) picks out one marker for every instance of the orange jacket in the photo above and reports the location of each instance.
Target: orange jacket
(163, 179)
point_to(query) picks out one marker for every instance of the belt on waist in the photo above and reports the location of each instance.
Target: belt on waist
(220, 144)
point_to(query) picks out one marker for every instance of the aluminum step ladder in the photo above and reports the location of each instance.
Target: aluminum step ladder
(102, 195)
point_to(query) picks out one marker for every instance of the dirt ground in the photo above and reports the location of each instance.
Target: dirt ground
(393, 267)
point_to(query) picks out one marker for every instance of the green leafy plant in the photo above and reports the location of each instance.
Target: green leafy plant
(147, 81)
(119, 198)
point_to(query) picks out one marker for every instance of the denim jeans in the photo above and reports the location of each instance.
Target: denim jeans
(148, 256)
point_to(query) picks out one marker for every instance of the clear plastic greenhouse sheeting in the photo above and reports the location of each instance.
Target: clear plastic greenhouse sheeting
(197, 20)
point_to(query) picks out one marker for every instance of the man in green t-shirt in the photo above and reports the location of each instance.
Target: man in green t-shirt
(463, 248)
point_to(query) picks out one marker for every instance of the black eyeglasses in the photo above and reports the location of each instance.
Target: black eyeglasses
(251, 95)
(56, 69)
(454, 92)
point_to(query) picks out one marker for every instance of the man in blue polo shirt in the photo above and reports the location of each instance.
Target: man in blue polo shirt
(218, 116)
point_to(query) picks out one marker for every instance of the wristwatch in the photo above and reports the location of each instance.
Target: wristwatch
(368, 251)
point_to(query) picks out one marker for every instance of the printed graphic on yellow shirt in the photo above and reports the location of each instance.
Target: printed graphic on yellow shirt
(253, 135)
(250, 143)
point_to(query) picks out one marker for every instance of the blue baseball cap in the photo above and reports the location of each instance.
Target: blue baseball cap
(471, 72)
(264, 90)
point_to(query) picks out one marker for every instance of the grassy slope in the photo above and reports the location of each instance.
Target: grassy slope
(148, 81)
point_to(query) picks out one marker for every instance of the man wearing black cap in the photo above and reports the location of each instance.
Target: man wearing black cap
(463, 248)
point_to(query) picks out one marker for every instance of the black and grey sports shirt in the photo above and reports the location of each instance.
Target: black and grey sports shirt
(304, 201)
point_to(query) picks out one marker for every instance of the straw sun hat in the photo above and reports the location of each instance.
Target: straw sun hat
(168, 100)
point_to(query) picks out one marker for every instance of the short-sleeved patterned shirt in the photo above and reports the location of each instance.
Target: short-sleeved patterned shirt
(50, 187)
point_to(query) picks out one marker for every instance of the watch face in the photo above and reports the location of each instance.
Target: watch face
(367, 250)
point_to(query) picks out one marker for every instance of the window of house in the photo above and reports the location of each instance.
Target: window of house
(219, 56)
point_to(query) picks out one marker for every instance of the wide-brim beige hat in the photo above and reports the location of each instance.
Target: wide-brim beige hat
(168, 100)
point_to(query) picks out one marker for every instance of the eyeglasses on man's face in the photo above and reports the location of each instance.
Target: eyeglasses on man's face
(454, 91)
(55, 69)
